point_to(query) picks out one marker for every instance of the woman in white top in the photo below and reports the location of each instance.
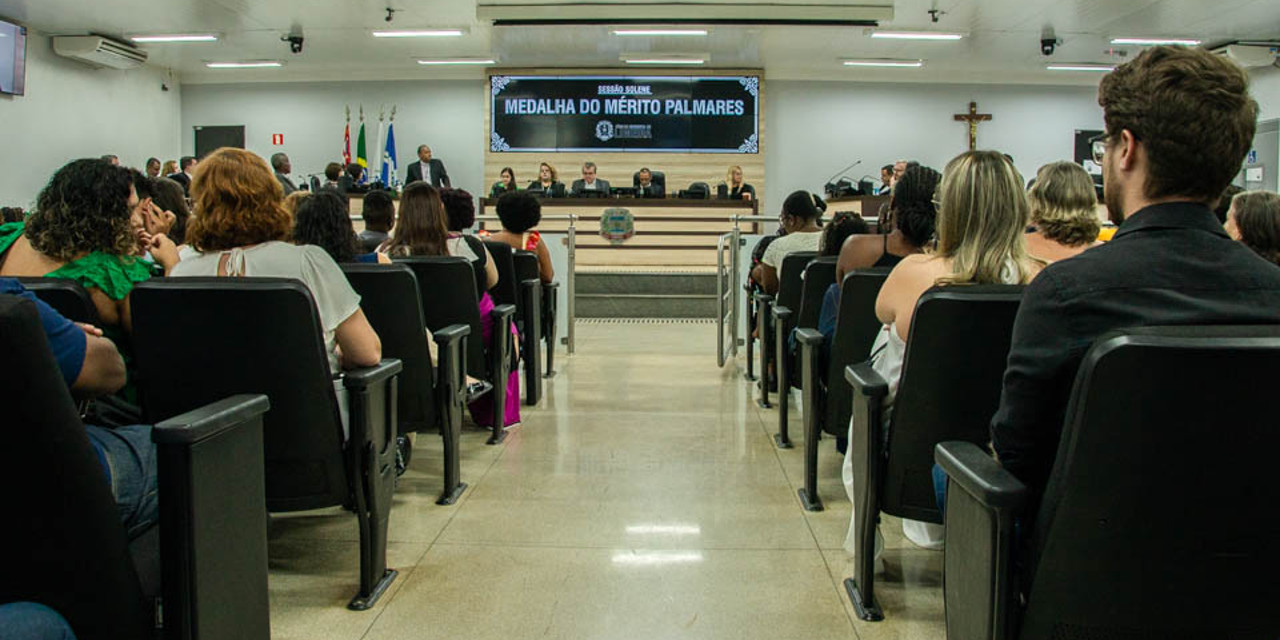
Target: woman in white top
(240, 229)
(982, 217)
(800, 220)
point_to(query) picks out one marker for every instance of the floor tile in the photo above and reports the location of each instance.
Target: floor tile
(909, 592)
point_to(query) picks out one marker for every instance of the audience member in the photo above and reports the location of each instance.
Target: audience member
(112, 159)
(240, 229)
(379, 213)
(282, 167)
(322, 220)
(1064, 212)
(589, 184)
(800, 219)
(171, 200)
(1254, 219)
(844, 225)
(153, 167)
(293, 200)
(734, 187)
(170, 167)
(183, 176)
(1169, 154)
(912, 216)
(1224, 203)
(506, 183)
(459, 210)
(548, 183)
(11, 214)
(520, 213)
(981, 223)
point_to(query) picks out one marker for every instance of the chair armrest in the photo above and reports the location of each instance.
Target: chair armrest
(763, 298)
(450, 334)
(975, 471)
(551, 285)
(809, 338)
(504, 311)
(866, 381)
(210, 420)
(368, 376)
(531, 283)
(781, 313)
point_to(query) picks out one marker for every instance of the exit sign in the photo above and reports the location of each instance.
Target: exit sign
(277, 139)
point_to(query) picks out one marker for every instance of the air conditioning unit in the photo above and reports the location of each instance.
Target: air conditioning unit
(867, 13)
(100, 52)
(1249, 55)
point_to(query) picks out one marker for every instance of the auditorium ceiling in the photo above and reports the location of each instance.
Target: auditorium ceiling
(1001, 42)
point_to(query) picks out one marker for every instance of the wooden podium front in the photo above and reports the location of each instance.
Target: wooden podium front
(865, 206)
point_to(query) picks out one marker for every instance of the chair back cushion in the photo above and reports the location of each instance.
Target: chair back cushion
(818, 276)
(66, 296)
(507, 291)
(448, 292)
(856, 329)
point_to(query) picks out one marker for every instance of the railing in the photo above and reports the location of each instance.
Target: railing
(571, 246)
(729, 286)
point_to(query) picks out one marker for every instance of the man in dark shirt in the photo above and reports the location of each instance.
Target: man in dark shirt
(379, 213)
(1168, 154)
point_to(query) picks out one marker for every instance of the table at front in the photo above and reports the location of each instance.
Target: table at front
(670, 232)
(865, 206)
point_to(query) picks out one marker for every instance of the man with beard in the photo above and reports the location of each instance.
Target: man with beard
(1168, 153)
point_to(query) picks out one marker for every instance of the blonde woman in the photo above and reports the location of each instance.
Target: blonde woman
(981, 223)
(1064, 219)
(734, 186)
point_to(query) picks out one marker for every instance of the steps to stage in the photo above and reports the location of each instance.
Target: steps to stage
(645, 293)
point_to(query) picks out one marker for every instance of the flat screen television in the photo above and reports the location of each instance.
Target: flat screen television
(13, 58)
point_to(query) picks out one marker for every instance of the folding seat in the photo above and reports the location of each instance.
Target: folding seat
(1156, 520)
(790, 274)
(515, 290)
(950, 387)
(816, 276)
(196, 339)
(64, 545)
(545, 301)
(66, 297)
(430, 395)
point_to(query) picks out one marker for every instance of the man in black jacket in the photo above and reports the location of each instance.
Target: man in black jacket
(428, 169)
(1168, 154)
(183, 176)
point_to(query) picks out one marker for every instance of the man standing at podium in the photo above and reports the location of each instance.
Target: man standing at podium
(427, 169)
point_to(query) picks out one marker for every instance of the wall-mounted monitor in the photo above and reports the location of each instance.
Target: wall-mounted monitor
(676, 114)
(13, 58)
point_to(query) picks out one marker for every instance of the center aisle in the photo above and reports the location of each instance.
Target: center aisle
(643, 499)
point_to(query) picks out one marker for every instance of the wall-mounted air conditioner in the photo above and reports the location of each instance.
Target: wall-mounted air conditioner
(1249, 55)
(100, 52)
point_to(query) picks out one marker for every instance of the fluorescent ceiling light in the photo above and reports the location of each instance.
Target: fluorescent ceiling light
(257, 64)
(916, 35)
(661, 59)
(911, 64)
(659, 32)
(1081, 67)
(441, 61)
(420, 33)
(1187, 42)
(193, 37)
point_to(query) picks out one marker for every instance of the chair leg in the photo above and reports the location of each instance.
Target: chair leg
(809, 492)
(374, 488)
(549, 328)
(861, 587)
(780, 360)
(450, 433)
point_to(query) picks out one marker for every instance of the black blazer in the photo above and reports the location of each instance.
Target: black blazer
(286, 183)
(723, 191)
(182, 179)
(1168, 264)
(580, 186)
(556, 190)
(654, 190)
(439, 176)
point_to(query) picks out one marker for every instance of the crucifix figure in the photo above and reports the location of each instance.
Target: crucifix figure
(973, 118)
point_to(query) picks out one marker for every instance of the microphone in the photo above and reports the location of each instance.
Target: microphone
(834, 189)
(838, 173)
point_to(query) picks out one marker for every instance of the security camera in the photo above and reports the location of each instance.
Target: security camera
(1048, 41)
(295, 43)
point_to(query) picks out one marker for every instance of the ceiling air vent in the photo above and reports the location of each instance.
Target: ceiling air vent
(100, 52)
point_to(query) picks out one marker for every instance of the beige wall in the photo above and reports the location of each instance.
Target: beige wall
(680, 168)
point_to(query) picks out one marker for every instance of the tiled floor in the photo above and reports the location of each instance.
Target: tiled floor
(643, 499)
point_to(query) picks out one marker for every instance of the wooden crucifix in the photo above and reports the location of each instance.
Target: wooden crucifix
(973, 118)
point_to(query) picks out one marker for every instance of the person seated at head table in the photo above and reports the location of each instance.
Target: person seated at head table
(800, 220)
(886, 180)
(506, 183)
(646, 187)
(332, 176)
(548, 183)
(589, 184)
(240, 229)
(379, 213)
(911, 215)
(322, 220)
(1064, 218)
(520, 213)
(350, 181)
(1254, 220)
(733, 187)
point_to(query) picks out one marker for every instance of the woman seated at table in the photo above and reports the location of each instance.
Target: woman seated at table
(1064, 217)
(548, 183)
(322, 220)
(734, 188)
(982, 218)
(505, 184)
(520, 213)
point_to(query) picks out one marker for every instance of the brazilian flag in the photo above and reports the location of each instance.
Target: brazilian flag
(362, 158)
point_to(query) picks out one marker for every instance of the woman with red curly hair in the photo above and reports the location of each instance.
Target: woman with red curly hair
(239, 228)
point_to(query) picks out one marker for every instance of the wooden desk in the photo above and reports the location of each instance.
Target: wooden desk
(865, 206)
(670, 232)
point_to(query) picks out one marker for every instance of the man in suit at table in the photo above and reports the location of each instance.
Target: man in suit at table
(589, 185)
(427, 169)
(646, 187)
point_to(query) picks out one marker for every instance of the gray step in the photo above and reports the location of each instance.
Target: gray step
(645, 283)
(645, 306)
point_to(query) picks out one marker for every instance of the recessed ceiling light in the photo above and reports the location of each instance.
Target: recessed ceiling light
(1186, 42)
(649, 58)
(255, 64)
(192, 37)
(659, 32)
(883, 63)
(916, 35)
(443, 61)
(1081, 67)
(420, 33)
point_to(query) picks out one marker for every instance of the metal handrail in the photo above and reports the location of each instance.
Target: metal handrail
(570, 283)
(727, 289)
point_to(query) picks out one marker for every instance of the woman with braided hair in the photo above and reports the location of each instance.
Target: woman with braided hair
(912, 215)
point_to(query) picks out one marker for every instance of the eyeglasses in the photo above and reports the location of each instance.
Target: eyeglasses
(1098, 147)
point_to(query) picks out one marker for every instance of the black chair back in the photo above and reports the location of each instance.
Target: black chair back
(67, 548)
(507, 291)
(447, 288)
(66, 297)
(1155, 518)
(247, 335)
(818, 276)
(390, 299)
(791, 281)
(856, 329)
(950, 387)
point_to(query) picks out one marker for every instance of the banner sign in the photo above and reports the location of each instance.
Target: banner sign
(679, 114)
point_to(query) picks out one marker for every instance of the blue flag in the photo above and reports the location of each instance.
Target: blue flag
(389, 158)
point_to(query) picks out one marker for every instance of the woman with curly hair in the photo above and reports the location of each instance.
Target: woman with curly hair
(911, 215)
(83, 230)
(322, 220)
(520, 213)
(240, 229)
(1064, 219)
